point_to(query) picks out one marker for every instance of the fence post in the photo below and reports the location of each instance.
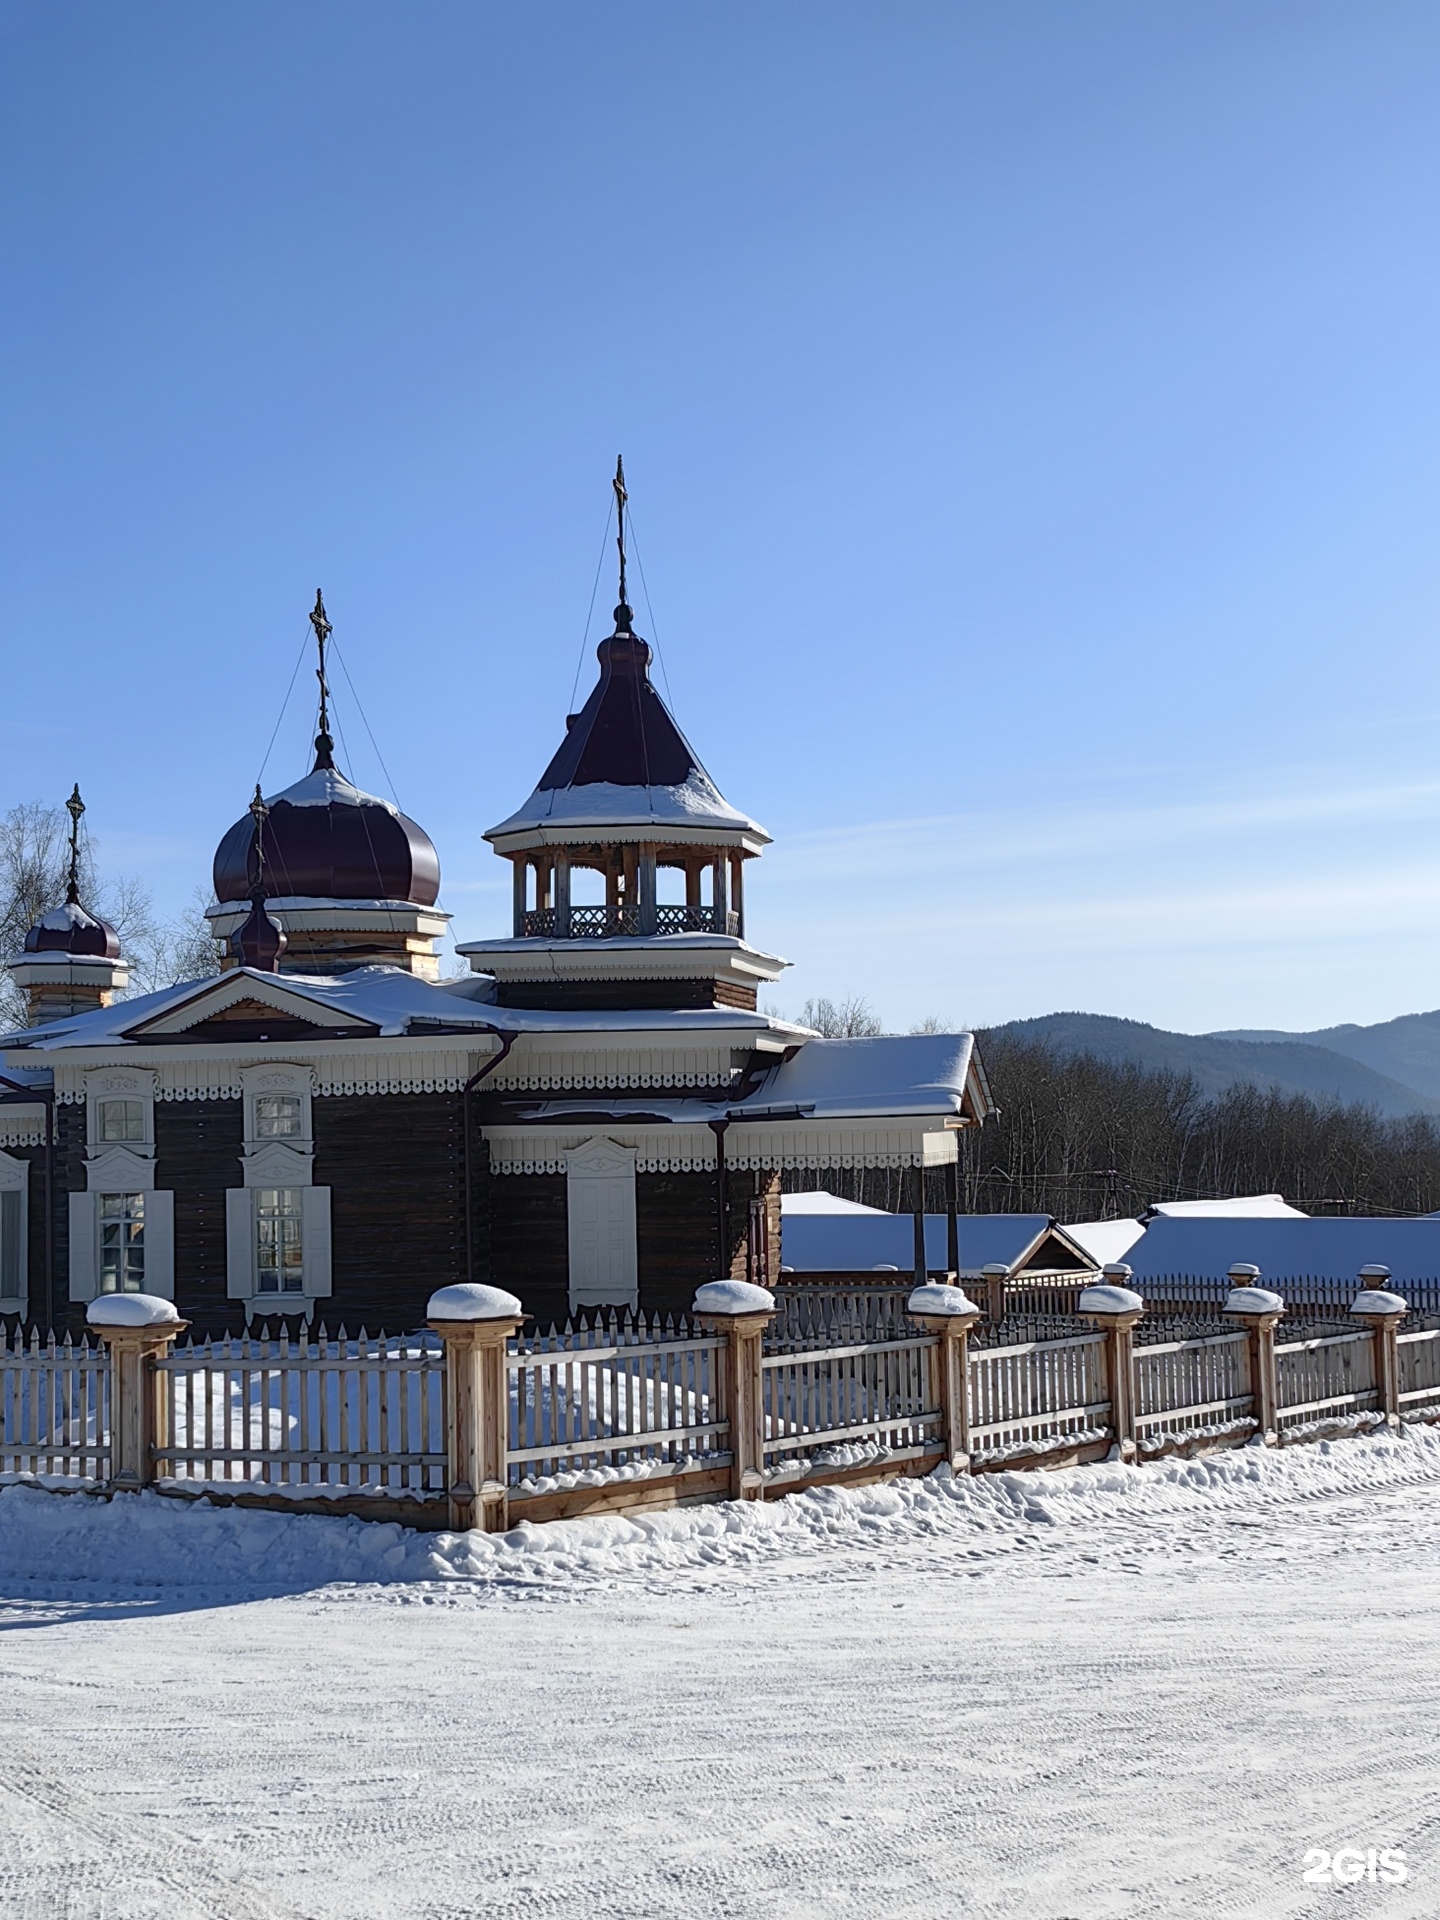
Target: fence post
(1258, 1311)
(995, 1275)
(1384, 1311)
(742, 1313)
(948, 1315)
(476, 1324)
(137, 1328)
(1115, 1309)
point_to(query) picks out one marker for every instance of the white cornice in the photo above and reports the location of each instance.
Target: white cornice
(691, 1149)
(684, 956)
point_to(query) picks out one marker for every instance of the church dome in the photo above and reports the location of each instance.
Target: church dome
(324, 839)
(70, 930)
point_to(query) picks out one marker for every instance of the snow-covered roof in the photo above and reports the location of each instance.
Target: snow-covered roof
(695, 802)
(328, 787)
(624, 763)
(792, 1205)
(909, 1073)
(1247, 1206)
(1105, 1240)
(846, 1243)
(391, 999)
(1286, 1248)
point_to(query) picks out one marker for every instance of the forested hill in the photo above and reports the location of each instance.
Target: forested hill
(1354, 1065)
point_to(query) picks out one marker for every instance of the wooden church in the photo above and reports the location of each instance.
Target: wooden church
(598, 1115)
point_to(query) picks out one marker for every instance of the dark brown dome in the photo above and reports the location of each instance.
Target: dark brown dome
(326, 840)
(70, 929)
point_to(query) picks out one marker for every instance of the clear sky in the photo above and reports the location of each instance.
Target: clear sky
(1031, 419)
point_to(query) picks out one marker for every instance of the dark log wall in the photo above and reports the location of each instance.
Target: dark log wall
(678, 1242)
(69, 1178)
(529, 1242)
(197, 1156)
(395, 1167)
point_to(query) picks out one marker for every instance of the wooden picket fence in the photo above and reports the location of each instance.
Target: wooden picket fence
(619, 1413)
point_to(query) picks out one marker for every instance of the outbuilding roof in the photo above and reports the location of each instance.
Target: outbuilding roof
(1287, 1249)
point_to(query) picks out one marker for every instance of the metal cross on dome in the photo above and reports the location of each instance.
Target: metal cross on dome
(324, 744)
(621, 499)
(75, 807)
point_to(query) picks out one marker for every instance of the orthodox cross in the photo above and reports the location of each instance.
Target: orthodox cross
(260, 813)
(74, 806)
(323, 743)
(621, 497)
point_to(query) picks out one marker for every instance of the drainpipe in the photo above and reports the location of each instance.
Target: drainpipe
(722, 1197)
(46, 1095)
(507, 1041)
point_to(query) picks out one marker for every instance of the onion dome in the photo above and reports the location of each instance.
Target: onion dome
(261, 940)
(325, 839)
(69, 929)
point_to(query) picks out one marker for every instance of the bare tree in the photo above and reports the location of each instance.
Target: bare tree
(852, 1019)
(34, 869)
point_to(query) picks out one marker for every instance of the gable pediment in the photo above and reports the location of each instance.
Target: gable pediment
(239, 1007)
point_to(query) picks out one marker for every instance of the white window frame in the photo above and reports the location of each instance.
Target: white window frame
(15, 1178)
(85, 1264)
(284, 1161)
(119, 1083)
(600, 1208)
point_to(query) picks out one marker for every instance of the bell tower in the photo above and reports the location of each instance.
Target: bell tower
(626, 803)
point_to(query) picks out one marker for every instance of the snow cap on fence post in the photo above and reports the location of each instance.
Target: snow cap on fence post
(741, 1312)
(947, 1316)
(1246, 1296)
(1115, 1307)
(468, 1300)
(1258, 1310)
(131, 1310)
(1384, 1311)
(138, 1328)
(476, 1323)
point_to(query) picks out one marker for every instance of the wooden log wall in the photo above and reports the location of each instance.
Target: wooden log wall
(197, 1156)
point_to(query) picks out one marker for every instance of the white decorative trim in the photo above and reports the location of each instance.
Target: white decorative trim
(15, 1178)
(242, 1249)
(691, 1149)
(22, 1126)
(534, 1067)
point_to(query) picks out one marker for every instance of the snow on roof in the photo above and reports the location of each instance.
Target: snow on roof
(1249, 1206)
(794, 1204)
(1282, 1249)
(1105, 1240)
(391, 998)
(892, 1073)
(850, 1243)
(328, 787)
(697, 802)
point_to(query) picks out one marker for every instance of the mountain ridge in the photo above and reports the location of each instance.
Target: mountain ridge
(1331, 1064)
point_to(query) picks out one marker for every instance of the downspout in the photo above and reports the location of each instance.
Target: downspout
(46, 1095)
(722, 1198)
(507, 1041)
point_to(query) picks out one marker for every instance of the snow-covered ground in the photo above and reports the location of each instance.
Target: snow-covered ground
(1106, 1692)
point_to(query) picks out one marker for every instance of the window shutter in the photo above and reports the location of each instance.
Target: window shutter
(239, 1243)
(315, 1231)
(160, 1243)
(84, 1254)
(12, 1252)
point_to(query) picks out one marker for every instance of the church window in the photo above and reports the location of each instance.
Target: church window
(280, 1255)
(122, 1242)
(279, 1116)
(122, 1120)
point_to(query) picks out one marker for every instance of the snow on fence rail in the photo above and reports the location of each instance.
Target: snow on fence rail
(54, 1408)
(1031, 1396)
(1325, 1379)
(308, 1415)
(626, 1400)
(821, 1408)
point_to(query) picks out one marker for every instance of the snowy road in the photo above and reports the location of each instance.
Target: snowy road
(1104, 1692)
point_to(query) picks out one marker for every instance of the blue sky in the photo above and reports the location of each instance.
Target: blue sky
(1030, 413)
